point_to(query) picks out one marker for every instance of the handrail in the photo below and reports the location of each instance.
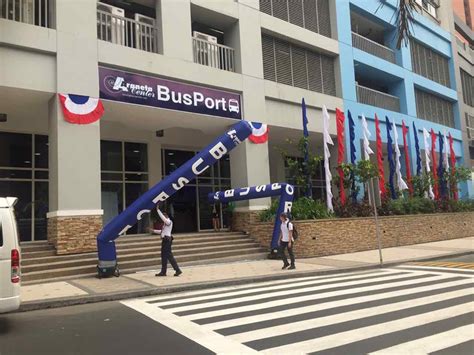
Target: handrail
(213, 54)
(367, 45)
(376, 98)
(37, 13)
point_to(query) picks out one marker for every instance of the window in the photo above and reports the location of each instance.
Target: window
(318, 181)
(434, 108)
(429, 64)
(289, 64)
(1, 233)
(467, 82)
(310, 14)
(124, 167)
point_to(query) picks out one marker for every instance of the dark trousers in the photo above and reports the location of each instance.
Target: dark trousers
(283, 246)
(167, 255)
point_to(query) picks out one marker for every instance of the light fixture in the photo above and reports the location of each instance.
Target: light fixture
(136, 151)
(170, 153)
(37, 154)
(27, 162)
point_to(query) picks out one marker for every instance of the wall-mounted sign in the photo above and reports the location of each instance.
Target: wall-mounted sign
(117, 85)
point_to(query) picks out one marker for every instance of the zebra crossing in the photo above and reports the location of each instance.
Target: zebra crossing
(408, 309)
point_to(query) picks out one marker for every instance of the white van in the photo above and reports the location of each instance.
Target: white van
(9, 257)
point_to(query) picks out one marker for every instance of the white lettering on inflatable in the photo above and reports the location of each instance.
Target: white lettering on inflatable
(276, 186)
(218, 151)
(216, 196)
(233, 135)
(198, 98)
(260, 188)
(161, 197)
(229, 193)
(288, 206)
(142, 212)
(163, 93)
(245, 191)
(123, 231)
(290, 190)
(196, 165)
(180, 183)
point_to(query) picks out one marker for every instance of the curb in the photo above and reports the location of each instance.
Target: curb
(154, 291)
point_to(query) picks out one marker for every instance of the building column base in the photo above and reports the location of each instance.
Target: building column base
(74, 234)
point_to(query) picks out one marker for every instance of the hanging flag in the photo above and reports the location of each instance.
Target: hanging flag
(407, 157)
(383, 191)
(340, 153)
(327, 154)
(442, 185)
(259, 133)
(309, 188)
(352, 154)
(391, 164)
(426, 146)
(78, 109)
(417, 148)
(366, 136)
(454, 188)
(401, 184)
(433, 161)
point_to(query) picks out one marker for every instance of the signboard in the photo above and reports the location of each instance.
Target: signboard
(117, 85)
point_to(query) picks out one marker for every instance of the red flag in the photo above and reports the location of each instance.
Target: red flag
(383, 191)
(453, 165)
(340, 152)
(435, 168)
(407, 157)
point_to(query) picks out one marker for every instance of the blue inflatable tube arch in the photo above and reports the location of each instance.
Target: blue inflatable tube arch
(166, 188)
(285, 191)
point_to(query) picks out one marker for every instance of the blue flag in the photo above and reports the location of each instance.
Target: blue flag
(352, 153)
(442, 185)
(417, 148)
(391, 163)
(309, 188)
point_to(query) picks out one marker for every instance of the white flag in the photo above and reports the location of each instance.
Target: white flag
(327, 140)
(366, 135)
(445, 153)
(426, 138)
(400, 182)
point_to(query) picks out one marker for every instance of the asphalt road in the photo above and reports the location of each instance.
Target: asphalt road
(405, 309)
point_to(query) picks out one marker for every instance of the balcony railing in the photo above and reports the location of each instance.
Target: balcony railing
(127, 32)
(33, 12)
(213, 54)
(378, 99)
(374, 48)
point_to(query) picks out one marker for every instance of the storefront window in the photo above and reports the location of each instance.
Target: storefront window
(317, 180)
(24, 174)
(121, 187)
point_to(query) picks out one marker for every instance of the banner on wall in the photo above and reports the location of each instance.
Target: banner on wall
(126, 87)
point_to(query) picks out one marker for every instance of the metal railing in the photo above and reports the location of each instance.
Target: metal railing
(127, 32)
(367, 45)
(213, 55)
(33, 12)
(378, 99)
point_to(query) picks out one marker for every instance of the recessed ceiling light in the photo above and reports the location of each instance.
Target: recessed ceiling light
(27, 162)
(170, 153)
(37, 153)
(136, 151)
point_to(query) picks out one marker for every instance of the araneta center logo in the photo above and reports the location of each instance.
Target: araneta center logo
(120, 85)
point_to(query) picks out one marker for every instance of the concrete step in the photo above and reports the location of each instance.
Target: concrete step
(29, 248)
(179, 236)
(54, 273)
(180, 241)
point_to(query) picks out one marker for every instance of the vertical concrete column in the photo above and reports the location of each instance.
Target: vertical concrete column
(154, 161)
(75, 215)
(174, 26)
(250, 164)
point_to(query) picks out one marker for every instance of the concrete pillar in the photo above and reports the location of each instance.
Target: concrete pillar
(75, 216)
(250, 163)
(174, 26)
(154, 161)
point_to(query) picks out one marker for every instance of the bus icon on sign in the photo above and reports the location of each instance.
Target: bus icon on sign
(234, 106)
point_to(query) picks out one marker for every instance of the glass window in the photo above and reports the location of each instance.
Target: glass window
(41, 209)
(225, 167)
(41, 151)
(112, 200)
(173, 159)
(15, 174)
(132, 192)
(136, 157)
(15, 150)
(23, 209)
(111, 156)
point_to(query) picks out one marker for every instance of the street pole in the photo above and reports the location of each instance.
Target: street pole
(377, 228)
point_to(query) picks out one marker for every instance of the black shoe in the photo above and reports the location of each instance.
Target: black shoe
(160, 274)
(292, 267)
(177, 273)
(285, 266)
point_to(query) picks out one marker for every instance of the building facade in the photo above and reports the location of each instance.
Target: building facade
(259, 57)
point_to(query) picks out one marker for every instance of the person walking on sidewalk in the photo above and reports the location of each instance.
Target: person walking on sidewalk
(166, 245)
(286, 242)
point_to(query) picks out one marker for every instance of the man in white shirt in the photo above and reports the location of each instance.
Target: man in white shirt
(286, 241)
(166, 244)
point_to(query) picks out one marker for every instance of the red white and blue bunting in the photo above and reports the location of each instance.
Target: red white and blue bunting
(259, 133)
(80, 109)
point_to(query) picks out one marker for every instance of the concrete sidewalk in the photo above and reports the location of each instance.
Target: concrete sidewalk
(144, 283)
